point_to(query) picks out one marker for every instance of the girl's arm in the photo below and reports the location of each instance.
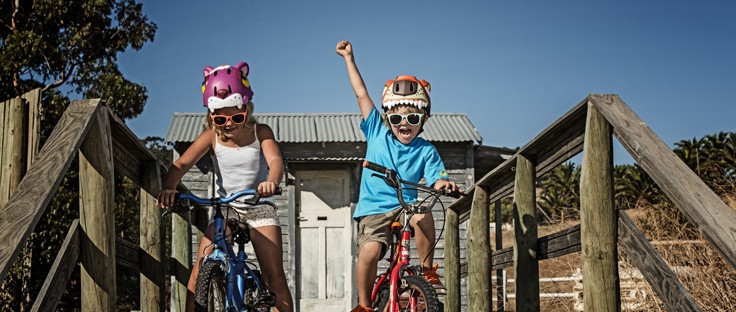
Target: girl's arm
(345, 49)
(272, 153)
(182, 165)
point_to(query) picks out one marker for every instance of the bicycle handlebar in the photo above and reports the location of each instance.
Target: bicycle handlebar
(393, 180)
(223, 200)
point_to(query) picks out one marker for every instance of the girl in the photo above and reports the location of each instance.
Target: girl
(246, 156)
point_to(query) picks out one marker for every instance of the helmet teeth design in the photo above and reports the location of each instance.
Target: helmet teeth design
(226, 86)
(406, 90)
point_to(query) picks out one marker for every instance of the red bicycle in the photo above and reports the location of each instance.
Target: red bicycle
(402, 288)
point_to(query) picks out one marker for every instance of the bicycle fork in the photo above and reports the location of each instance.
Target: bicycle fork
(404, 249)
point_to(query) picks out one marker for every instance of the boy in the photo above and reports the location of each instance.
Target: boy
(394, 145)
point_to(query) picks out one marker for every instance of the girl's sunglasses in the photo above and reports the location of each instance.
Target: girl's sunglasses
(413, 118)
(221, 120)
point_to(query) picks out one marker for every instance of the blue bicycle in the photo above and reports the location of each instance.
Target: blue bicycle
(226, 281)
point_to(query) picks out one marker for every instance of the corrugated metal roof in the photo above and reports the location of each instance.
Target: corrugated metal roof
(329, 127)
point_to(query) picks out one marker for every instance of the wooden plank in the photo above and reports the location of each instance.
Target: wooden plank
(33, 98)
(597, 218)
(20, 215)
(60, 272)
(526, 264)
(554, 245)
(452, 262)
(500, 290)
(97, 217)
(127, 254)
(700, 205)
(479, 275)
(655, 270)
(152, 243)
(13, 149)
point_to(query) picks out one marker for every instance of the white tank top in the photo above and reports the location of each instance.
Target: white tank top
(239, 168)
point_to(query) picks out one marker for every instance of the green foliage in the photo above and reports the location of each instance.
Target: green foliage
(69, 46)
(560, 198)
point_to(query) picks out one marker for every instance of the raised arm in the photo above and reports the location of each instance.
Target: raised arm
(345, 49)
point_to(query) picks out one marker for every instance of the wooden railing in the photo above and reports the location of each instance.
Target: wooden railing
(588, 128)
(105, 147)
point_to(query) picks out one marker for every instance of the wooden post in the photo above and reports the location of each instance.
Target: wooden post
(526, 263)
(181, 248)
(96, 203)
(13, 154)
(479, 255)
(152, 240)
(452, 262)
(500, 273)
(598, 220)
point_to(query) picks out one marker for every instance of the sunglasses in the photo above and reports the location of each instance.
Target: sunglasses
(413, 118)
(221, 120)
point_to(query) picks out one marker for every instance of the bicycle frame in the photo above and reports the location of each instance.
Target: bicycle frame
(239, 271)
(400, 261)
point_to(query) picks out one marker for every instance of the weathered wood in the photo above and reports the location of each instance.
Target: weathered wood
(33, 98)
(692, 196)
(559, 142)
(526, 264)
(550, 246)
(127, 254)
(13, 148)
(661, 278)
(500, 290)
(60, 272)
(452, 262)
(479, 275)
(152, 238)
(20, 215)
(96, 214)
(597, 218)
(181, 260)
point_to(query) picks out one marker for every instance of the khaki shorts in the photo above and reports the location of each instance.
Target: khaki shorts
(377, 228)
(257, 216)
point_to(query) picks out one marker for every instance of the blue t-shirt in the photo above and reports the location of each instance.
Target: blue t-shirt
(414, 161)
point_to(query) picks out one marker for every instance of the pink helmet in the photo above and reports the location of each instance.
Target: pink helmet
(226, 86)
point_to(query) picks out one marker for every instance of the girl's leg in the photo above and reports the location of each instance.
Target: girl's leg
(205, 243)
(266, 242)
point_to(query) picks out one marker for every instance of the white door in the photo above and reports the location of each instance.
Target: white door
(324, 243)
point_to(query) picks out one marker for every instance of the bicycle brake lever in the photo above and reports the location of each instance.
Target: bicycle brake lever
(253, 200)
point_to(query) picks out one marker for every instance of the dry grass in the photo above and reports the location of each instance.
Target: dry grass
(708, 279)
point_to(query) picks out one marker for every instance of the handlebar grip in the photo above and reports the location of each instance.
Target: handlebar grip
(374, 166)
(277, 191)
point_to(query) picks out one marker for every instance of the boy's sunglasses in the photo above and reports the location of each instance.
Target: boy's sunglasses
(221, 120)
(413, 118)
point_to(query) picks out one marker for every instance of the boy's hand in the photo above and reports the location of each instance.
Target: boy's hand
(344, 48)
(445, 184)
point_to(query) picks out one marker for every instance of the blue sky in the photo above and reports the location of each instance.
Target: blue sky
(514, 67)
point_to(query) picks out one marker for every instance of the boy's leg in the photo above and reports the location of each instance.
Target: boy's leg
(424, 239)
(266, 242)
(366, 268)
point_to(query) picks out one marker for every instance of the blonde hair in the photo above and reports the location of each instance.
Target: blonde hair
(250, 121)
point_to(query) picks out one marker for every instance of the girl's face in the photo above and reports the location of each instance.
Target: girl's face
(229, 120)
(405, 132)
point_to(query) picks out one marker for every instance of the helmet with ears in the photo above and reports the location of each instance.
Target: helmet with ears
(226, 86)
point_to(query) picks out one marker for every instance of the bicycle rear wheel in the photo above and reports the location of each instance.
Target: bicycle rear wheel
(415, 294)
(210, 294)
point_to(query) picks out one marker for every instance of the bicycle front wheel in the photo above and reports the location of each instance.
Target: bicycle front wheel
(415, 294)
(211, 290)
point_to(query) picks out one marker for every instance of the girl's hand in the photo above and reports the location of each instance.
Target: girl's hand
(166, 198)
(267, 189)
(344, 48)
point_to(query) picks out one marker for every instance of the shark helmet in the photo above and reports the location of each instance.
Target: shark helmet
(406, 90)
(226, 86)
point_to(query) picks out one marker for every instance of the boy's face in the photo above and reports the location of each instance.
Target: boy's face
(406, 132)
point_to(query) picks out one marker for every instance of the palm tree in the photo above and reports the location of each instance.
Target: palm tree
(560, 191)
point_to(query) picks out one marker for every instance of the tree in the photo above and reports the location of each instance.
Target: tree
(65, 47)
(560, 191)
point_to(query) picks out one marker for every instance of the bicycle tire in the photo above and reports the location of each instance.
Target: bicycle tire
(416, 287)
(210, 294)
